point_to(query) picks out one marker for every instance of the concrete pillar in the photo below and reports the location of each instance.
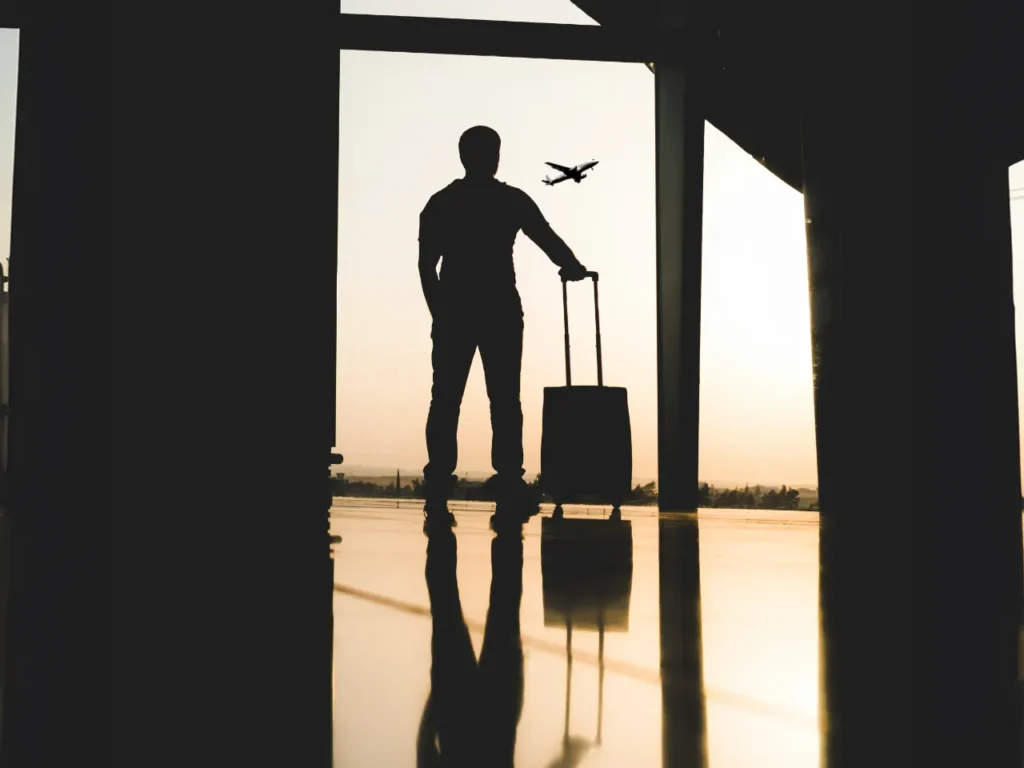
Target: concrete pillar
(915, 394)
(226, 205)
(679, 120)
(58, 616)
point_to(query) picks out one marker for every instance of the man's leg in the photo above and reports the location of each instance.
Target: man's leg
(501, 657)
(501, 349)
(452, 356)
(451, 708)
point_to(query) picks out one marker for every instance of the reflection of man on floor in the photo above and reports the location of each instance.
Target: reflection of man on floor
(472, 225)
(473, 710)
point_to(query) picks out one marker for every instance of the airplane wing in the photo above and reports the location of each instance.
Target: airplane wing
(560, 168)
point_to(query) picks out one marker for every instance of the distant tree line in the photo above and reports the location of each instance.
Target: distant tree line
(363, 489)
(465, 490)
(757, 497)
(748, 498)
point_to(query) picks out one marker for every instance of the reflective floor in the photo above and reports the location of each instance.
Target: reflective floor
(743, 629)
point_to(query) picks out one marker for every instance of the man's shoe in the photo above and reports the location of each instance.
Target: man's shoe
(520, 498)
(436, 517)
(513, 514)
(504, 523)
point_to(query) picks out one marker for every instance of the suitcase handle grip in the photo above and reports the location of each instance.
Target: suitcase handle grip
(597, 327)
(586, 275)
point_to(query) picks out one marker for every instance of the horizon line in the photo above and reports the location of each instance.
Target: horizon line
(378, 471)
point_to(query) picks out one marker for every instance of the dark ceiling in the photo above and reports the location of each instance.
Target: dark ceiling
(758, 61)
(753, 106)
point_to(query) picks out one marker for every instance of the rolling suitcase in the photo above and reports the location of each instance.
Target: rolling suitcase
(586, 453)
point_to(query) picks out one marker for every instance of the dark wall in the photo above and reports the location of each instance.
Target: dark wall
(236, 241)
(906, 197)
(58, 611)
(201, 151)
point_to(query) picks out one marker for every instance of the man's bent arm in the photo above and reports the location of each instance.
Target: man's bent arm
(429, 257)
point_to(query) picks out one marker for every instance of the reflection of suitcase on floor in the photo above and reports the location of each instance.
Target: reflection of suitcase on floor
(586, 452)
(587, 580)
(586, 573)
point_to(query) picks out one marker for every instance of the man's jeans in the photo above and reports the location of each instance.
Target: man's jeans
(457, 333)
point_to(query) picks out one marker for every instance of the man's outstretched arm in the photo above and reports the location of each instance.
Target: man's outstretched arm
(537, 229)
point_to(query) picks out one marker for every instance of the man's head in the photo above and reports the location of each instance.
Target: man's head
(479, 149)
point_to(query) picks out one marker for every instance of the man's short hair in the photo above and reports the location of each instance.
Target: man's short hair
(479, 148)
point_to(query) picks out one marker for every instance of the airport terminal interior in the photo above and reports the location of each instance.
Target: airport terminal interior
(259, 618)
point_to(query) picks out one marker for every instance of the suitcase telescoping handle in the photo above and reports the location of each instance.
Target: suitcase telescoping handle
(597, 326)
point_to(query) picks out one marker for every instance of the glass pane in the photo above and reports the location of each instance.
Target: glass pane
(9, 42)
(1017, 235)
(543, 11)
(8, 105)
(401, 118)
(756, 393)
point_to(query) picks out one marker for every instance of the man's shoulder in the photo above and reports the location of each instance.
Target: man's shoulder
(527, 211)
(446, 191)
(514, 192)
(453, 194)
(440, 198)
(519, 200)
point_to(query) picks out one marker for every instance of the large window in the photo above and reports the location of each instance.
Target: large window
(756, 397)
(401, 118)
(9, 40)
(1017, 234)
(8, 105)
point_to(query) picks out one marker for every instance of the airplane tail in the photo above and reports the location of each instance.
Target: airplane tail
(547, 180)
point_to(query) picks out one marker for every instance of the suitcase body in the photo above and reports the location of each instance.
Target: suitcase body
(586, 450)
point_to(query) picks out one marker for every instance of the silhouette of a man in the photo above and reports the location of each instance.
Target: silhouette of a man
(471, 226)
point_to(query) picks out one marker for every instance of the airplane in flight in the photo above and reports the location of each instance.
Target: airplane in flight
(577, 173)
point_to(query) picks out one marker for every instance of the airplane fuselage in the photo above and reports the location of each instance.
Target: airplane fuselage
(576, 173)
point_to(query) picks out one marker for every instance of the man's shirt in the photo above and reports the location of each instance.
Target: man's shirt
(472, 225)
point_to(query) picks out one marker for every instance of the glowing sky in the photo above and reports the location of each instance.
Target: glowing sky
(401, 119)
